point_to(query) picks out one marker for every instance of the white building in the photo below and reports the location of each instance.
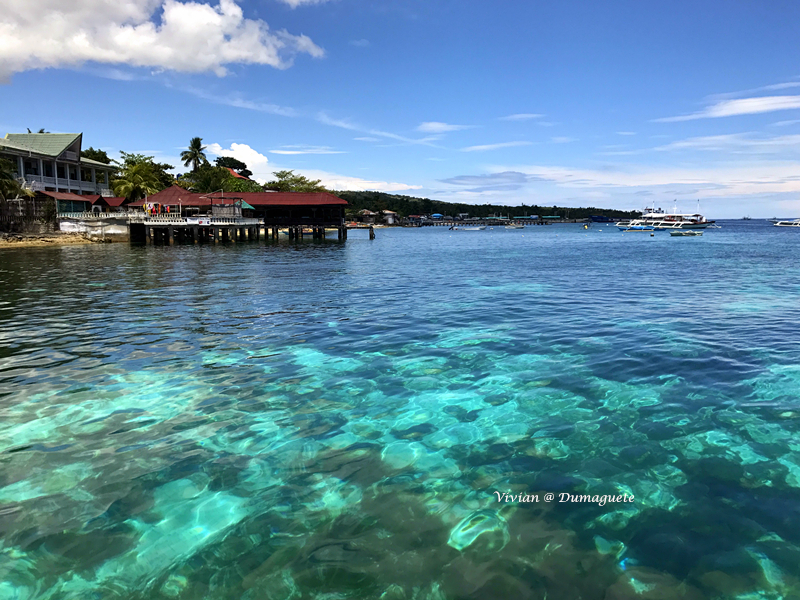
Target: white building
(52, 162)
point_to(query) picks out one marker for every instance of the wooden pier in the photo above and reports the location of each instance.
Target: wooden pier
(169, 230)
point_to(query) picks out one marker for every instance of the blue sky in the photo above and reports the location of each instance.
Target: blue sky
(609, 104)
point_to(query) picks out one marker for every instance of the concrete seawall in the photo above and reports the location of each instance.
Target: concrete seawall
(111, 228)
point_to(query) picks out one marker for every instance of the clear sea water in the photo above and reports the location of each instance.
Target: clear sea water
(325, 420)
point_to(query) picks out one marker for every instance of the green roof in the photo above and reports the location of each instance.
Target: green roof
(95, 163)
(49, 144)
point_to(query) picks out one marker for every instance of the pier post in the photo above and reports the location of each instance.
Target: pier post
(170, 235)
(147, 234)
(195, 234)
(371, 233)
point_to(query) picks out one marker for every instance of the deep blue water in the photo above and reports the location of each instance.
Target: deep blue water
(325, 420)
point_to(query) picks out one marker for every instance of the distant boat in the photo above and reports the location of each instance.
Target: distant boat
(686, 233)
(661, 221)
(794, 223)
(635, 227)
(745, 218)
(467, 228)
(514, 226)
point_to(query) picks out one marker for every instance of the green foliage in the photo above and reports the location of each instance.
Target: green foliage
(136, 181)
(98, 155)
(208, 179)
(50, 211)
(231, 163)
(194, 155)
(287, 181)
(9, 186)
(130, 159)
(408, 205)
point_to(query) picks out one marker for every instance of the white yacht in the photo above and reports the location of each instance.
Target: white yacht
(661, 221)
(794, 223)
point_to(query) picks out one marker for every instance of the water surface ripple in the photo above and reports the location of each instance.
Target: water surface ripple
(325, 420)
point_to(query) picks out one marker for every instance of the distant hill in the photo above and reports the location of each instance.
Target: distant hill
(409, 205)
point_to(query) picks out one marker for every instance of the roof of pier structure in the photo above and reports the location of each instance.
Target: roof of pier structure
(175, 195)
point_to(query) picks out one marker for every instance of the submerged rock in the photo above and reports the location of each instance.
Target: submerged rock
(478, 523)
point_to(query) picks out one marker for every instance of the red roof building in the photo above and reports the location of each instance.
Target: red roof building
(278, 208)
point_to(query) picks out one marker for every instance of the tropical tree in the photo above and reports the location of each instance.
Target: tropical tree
(136, 181)
(194, 155)
(9, 186)
(287, 181)
(232, 163)
(160, 170)
(208, 179)
(98, 155)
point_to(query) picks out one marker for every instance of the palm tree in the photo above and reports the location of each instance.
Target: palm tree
(194, 155)
(136, 182)
(9, 186)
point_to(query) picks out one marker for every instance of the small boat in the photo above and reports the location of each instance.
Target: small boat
(633, 227)
(474, 228)
(515, 226)
(794, 223)
(686, 233)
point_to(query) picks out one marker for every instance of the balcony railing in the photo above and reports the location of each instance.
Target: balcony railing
(40, 182)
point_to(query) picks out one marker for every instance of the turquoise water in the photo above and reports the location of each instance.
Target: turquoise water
(325, 420)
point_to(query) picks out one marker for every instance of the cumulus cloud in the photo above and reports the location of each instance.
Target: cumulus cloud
(437, 127)
(255, 161)
(740, 106)
(334, 181)
(159, 34)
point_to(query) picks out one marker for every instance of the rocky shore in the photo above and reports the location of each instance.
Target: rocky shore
(21, 240)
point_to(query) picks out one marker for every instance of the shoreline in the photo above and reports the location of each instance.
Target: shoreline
(33, 240)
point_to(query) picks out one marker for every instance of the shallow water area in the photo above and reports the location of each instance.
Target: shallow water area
(325, 420)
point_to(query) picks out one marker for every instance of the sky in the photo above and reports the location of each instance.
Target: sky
(623, 104)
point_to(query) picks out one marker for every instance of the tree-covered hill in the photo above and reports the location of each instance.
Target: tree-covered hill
(408, 205)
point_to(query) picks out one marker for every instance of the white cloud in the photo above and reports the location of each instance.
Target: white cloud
(324, 118)
(306, 150)
(437, 127)
(254, 160)
(334, 181)
(626, 133)
(160, 34)
(741, 106)
(785, 123)
(521, 117)
(237, 101)
(366, 139)
(736, 143)
(494, 146)
(562, 139)
(359, 43)
(296, 3)
(720, 182)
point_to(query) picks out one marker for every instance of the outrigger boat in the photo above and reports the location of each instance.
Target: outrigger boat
(515, 226)
(794, 223)
(686, 233)
(473, 228)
